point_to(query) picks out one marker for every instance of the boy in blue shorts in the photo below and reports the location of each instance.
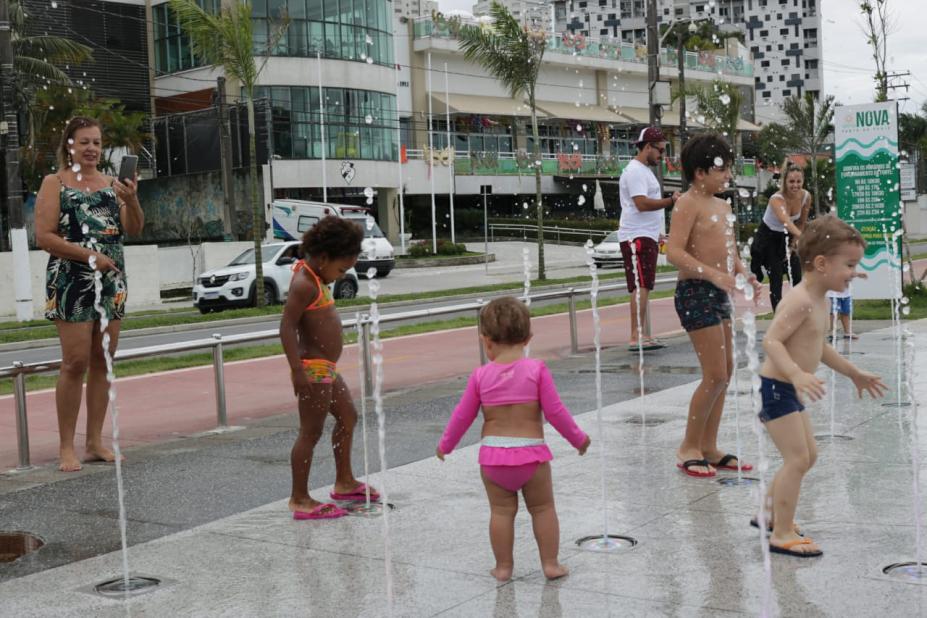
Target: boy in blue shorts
(829, 251)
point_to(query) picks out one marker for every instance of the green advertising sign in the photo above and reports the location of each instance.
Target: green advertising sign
(868, 191)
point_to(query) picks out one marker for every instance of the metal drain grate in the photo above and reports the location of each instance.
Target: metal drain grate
(117, 587)
(650, 421)
(823, 437)
(626, 368)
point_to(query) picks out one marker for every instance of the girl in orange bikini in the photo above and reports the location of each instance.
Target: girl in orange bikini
(310, 330)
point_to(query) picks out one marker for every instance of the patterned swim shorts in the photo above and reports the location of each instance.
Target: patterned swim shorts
(700, 304)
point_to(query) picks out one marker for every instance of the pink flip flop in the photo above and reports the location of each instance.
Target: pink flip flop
(359, 493)
(323, 511)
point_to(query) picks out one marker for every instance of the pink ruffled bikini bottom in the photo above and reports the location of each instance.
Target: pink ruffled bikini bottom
(511, 462)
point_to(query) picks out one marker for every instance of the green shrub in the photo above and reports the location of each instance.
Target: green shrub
(423, 248)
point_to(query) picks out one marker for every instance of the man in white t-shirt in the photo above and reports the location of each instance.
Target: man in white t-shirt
(642, 223)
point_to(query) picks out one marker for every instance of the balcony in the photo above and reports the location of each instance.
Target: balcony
(602, 49)
(492, 163)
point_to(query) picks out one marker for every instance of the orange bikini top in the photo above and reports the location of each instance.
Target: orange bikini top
(324, 299)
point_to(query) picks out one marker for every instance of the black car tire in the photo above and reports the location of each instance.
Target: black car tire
(382, 273)
(270, 294)
(346, 288)
(204, 310)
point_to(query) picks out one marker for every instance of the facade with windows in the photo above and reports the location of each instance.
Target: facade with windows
(347, 47)
(592, 100)
(783, 36)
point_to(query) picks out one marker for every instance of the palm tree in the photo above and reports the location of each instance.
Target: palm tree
(34, 60)
(718, 107)
(512, 53)
(810, 122)
(121, 129)
(226, 39)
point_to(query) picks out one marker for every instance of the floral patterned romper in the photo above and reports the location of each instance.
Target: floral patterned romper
(90, 220)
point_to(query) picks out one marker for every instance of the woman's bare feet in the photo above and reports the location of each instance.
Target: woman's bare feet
(503, 573)
(554, 570)
(100, 453)
(68, 461)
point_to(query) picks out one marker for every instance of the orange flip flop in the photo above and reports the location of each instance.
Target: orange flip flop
(786, 548)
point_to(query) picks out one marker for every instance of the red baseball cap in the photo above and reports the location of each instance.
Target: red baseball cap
(650, 135)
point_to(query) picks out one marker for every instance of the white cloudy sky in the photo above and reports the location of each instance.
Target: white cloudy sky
(848, 64)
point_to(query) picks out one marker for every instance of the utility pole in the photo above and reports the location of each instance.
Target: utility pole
(268, 213)
(683, 136)
(11, 193)
(887, 85)
(225, 158)
(653, 67)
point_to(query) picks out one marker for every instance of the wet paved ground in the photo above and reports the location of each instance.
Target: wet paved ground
(207, 515)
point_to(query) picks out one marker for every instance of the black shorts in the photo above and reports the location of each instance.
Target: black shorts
(779, 399)
(700, 304)
(645, 254)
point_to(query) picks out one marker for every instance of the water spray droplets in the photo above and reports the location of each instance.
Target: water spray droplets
(368, 193)
(581, 200)
(368, 119)
(719, 162)
(76, 167)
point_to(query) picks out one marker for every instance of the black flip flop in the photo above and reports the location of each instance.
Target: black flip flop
(788, 551)
(684, 466)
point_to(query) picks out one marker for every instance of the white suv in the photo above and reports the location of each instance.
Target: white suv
(234, 285)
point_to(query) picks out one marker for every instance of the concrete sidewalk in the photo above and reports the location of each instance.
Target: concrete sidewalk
(164, 406)
(696, 553)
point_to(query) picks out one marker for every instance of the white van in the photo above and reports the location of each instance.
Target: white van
(291, 219)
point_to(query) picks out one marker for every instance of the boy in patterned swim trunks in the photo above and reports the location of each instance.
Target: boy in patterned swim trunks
(310, 330)
(701, 245)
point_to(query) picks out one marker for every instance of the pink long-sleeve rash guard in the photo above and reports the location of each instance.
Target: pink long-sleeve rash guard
(522, 381)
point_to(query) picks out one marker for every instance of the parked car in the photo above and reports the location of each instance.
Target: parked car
(233, 285)
(291, 218)
(608, 252)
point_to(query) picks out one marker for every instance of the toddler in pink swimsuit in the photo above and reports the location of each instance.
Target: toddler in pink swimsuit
(513, 390)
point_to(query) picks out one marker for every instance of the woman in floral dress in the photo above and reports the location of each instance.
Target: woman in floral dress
(80, 218)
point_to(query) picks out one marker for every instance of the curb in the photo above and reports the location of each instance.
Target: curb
(448, 261)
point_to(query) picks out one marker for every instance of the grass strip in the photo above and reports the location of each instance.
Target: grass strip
(196, 359)
(11, 332)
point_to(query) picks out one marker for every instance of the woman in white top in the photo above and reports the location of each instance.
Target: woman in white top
(782, 224)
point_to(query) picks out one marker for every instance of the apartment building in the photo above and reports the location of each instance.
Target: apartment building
(783, 36)
(414, 8)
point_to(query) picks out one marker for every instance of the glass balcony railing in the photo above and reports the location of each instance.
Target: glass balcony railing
(493, 163)
(604, 49)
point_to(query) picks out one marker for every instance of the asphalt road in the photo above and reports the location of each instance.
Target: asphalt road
(562, 262)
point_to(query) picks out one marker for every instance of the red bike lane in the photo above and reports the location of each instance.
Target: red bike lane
(165, 406)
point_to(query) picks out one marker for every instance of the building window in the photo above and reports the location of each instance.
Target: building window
(297, 123)
(342, 29)
(172, 47)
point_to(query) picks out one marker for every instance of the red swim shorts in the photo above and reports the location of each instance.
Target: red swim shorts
(646, 250)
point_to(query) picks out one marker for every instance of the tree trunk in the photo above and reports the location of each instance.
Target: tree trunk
(257, 211)
(537, 187)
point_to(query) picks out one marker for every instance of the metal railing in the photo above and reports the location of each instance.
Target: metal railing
(524, 231)
(361, 322)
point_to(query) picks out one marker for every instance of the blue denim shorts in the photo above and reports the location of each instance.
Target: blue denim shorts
(842, 306)
(779, 399)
